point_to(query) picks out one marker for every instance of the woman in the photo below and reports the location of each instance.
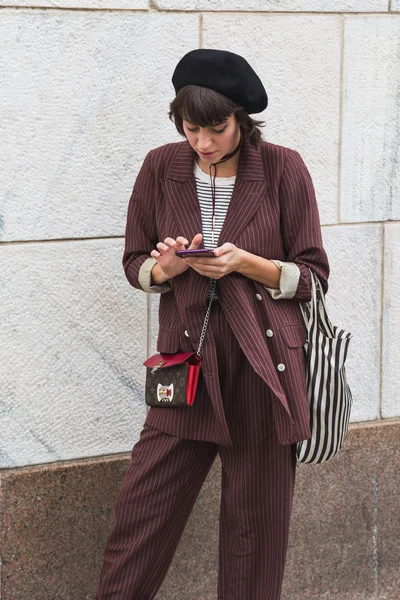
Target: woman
(253, 203)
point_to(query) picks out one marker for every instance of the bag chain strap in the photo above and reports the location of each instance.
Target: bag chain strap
(213, 296)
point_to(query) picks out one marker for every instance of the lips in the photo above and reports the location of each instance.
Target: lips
(206, 154)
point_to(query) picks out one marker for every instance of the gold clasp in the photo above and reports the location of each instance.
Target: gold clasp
(158, 366)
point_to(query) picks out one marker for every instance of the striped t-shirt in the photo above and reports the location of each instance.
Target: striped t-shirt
(223, 194)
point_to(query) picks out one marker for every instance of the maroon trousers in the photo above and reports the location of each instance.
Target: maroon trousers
(167, 473)
(158, 494)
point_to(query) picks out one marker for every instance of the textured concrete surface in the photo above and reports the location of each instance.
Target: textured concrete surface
(72, 344)
(304, 91)
(395, 5)
(343, 544)
(76, 91)
(370, 176)
(154, 303)
(277, 5)
(391, 323)
(354, 303)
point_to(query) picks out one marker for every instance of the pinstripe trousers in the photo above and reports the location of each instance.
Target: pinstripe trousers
(166, 474)
(158, 494)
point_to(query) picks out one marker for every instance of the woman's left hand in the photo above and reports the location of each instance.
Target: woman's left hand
(227, 260)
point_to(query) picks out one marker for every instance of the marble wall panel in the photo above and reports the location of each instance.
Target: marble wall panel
(391, 324)
(298, 60)
(370, 173)
(84, 96)
(72, 343)
(354, 303)
(277, 5)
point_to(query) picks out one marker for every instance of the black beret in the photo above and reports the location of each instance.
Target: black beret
(226, 73)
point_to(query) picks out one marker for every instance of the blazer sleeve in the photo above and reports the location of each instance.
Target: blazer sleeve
(301, 228)
(141, 232)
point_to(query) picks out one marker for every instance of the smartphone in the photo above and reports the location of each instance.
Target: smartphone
(199, 252)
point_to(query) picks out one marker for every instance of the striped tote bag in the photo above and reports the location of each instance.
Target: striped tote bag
(328, 392)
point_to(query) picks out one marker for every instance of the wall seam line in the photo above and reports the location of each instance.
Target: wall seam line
(340, 136)
(182, 12)
(121, 237)
(73, 462)
(75, 9)
(60, 240)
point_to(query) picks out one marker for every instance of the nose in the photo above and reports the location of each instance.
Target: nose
(204, 141)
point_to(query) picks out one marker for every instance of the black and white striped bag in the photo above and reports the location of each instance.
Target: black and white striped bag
(328, 392)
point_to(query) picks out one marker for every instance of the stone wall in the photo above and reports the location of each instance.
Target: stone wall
(85, 88)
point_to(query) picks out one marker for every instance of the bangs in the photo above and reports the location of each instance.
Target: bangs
(202, 106)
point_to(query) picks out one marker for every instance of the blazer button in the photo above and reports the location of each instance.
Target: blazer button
(270, 333)
(258, 297)
(186, 333)
(281, 367)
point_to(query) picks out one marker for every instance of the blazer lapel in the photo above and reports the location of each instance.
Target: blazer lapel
(180, 192)
(249, 191)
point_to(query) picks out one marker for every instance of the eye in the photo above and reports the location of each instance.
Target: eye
(192, 129)
(217, 131)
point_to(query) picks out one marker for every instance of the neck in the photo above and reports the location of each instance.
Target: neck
(226, 169)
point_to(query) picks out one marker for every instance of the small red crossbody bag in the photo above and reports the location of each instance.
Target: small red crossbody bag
(171, 379)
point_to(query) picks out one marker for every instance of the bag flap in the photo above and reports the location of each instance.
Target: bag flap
(170, 360)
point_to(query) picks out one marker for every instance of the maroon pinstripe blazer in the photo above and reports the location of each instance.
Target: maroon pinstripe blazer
(273, 213)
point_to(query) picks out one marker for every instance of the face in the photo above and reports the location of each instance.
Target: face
(213, 143)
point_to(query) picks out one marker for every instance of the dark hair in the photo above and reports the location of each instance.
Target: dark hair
(206, 107)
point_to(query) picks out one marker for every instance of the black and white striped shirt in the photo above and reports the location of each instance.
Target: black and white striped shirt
(223, 194)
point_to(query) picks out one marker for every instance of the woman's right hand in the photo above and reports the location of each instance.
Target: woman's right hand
(170, 265)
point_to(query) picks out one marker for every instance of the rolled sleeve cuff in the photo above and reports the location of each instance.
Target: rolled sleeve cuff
(145, 279)
(288, 283)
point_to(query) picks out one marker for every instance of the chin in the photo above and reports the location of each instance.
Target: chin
(207, 158)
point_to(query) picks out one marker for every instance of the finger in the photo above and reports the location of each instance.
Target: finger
(169, 241)
(196, 241)
(155, 254)
(203, 262)
(224, 249)
(162, 247)
(182, 241)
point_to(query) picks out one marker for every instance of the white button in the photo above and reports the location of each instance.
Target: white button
(281, 367)
(270, 333)
(186, 333)
(258, 297)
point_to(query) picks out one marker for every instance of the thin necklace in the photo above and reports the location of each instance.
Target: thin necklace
(213, 185)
